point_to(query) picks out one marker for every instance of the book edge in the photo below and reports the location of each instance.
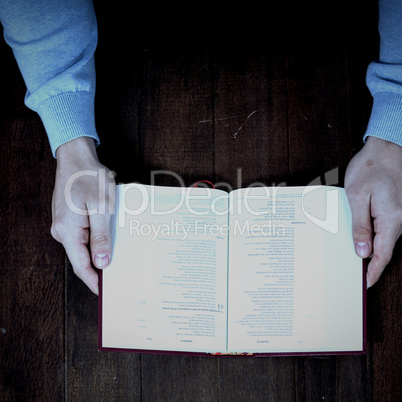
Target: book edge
(245, 354)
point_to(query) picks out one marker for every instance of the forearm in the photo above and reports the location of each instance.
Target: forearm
(54, 42)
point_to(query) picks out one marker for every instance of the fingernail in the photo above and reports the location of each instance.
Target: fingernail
(101, 260)
(362, 249)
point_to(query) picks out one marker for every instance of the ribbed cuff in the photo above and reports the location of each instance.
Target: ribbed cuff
(68, 116)
(386, 118)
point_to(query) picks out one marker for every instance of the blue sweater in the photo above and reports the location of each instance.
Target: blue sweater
(54, 43)
(384, 76)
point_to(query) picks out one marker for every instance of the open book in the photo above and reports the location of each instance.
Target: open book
(262, 271)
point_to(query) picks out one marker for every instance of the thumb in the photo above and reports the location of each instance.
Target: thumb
(100, 240)
(362, 228)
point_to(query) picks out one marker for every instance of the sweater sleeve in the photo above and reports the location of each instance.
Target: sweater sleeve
(384, 76)
(54, 42)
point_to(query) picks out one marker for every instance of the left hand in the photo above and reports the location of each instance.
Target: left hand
(373, 184)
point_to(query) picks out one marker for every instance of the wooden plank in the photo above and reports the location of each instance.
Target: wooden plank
(250, 115)
(176, 97)
(259, 379)
(385, 331)
(31, 263)
(250, 124)
(333, 378)
(179, 378)
(315, 378)
(118, 69)
(176, 100)
(320, 140)
(384, 299)
(353, 384)
(319, 136)
(361, 45)
(93, 375)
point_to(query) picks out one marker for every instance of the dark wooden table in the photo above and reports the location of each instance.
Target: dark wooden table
(238, 96)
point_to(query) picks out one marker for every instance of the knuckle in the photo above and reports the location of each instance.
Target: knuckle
(386, 255)
(57, 230)
(386, 259)
(79, 271)
(381, 261)
(54, 234)
(399, 216)
(373, 277)
(361, 229)
(81, 265)
(99, 240)
(357, 198)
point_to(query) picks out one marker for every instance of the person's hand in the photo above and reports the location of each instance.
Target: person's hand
(83, 201)
(373, 184)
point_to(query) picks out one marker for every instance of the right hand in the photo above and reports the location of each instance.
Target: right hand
(82, 205)
(373, 184)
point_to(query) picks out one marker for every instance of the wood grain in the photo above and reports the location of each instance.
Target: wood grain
(280, 96)
(31, 263)
(250, 115)
(176, 97)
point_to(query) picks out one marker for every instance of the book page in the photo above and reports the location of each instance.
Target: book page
(295, 282)
(166, 286)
